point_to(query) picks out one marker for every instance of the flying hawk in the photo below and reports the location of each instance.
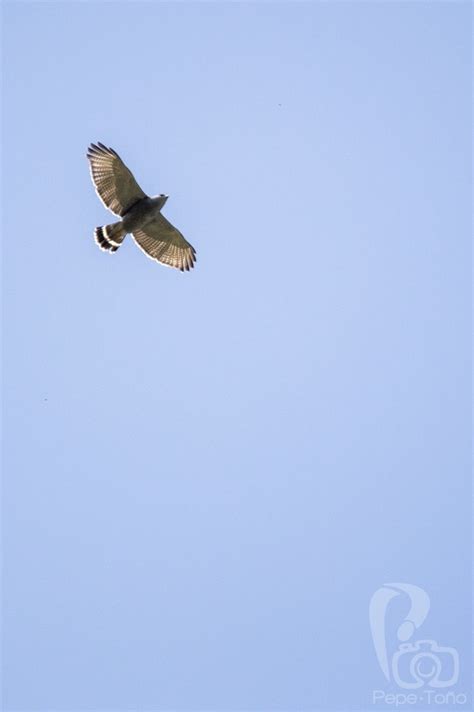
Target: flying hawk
(141, 215)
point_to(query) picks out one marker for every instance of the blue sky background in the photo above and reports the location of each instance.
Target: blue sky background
(208, 475)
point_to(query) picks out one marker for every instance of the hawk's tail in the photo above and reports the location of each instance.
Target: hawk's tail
(110, 237)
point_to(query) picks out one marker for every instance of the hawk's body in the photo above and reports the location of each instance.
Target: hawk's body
(144, 211)
(141, 215)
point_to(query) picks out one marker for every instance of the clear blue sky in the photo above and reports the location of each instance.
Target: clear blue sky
(208, 475)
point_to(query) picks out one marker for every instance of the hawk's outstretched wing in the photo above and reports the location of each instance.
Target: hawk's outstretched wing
(114, 182)
(164, 243)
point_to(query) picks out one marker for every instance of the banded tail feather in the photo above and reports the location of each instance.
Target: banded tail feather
(110, 237)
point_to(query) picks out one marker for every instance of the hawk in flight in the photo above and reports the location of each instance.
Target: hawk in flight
(141, 215)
